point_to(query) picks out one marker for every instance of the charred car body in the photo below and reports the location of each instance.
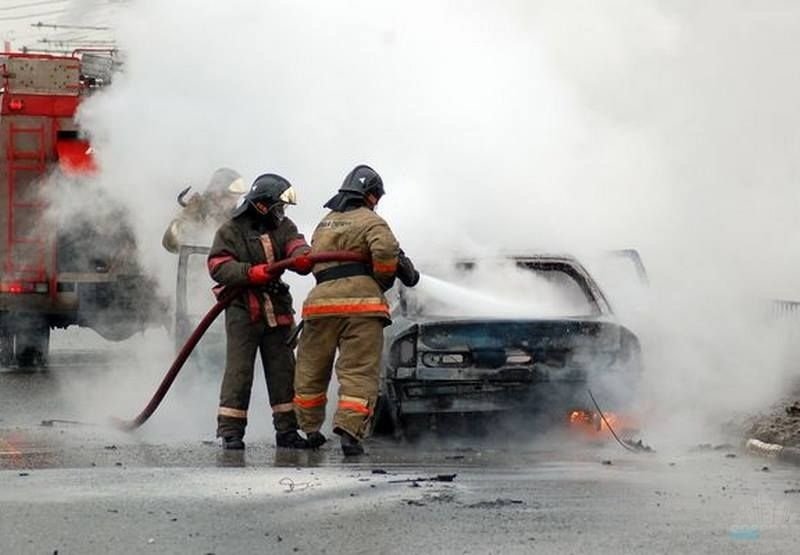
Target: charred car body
(458, 351)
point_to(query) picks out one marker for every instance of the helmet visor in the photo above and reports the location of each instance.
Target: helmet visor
(237, 187)
(289, 196)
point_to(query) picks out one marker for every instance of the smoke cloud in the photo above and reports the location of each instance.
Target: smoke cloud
(514, 126)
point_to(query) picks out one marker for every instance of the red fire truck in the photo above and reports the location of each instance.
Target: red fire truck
(64, 261)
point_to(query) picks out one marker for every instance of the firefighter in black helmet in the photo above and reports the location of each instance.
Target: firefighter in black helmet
(345, 313)
(261, 319)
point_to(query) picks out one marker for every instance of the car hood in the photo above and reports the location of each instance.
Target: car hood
(524, 334)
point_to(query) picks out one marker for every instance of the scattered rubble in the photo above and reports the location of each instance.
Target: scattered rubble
(51, 422)
(638, 446)
(497, 503)
(437, 478)
(710, 447)
(780, 426)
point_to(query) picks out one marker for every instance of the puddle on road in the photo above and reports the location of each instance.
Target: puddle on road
(67, 444)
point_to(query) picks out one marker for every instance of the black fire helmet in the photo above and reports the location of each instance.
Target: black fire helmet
(361, 182)
(269, 188)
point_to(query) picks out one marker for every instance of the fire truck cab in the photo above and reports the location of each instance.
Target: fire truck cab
(62, 264)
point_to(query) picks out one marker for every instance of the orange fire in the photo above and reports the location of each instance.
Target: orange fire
(591, 424)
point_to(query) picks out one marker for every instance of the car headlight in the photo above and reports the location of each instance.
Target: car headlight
(403, 351)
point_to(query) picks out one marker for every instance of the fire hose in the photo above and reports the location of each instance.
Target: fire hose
(304, 262)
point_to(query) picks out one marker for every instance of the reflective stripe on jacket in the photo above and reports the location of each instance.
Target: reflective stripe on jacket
(360, 230)
(241, 243)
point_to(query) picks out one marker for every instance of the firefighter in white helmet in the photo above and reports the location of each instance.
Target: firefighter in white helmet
(204, 212)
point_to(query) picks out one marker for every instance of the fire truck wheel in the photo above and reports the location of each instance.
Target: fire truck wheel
(6, 348)
(33, 345)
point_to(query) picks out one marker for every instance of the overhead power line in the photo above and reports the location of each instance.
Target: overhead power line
(26, 49)
(40, 14)
(31, 5)
(59, 26)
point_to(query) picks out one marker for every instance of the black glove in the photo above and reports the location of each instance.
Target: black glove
(406, 273)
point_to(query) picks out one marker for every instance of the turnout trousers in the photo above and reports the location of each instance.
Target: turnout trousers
(244, 338)
(359, 341)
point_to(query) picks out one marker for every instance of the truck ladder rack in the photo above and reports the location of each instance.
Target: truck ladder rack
(31, 264)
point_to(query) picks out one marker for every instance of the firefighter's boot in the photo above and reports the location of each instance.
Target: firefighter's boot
(351, 447)
(315, 440)
(290, 440)
(232, 443)
(286, 431)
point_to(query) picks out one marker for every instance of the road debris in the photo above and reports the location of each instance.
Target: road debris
(437, 478)
(710, 447)
(774, 451)
(293, 486)
(638, 446)
(497, 503)
(52, 421)
(780, 425)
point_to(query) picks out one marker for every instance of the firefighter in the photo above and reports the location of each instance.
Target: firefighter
(347, 311)
(205, 212)
(261, 319)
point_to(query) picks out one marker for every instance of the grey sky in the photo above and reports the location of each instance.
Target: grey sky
(17, 18)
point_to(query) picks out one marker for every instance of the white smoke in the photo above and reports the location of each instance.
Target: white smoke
(562, 126)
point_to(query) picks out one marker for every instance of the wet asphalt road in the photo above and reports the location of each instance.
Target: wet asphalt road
(88, 488)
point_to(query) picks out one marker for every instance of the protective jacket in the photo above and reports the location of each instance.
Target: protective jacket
(196, 222)
(360, 294)
(245, 241)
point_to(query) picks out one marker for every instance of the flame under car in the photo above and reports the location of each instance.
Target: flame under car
(511, 339)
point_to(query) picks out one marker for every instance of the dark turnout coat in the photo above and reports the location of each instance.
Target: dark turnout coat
(243, 242)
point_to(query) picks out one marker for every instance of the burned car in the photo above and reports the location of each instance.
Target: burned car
(518, 336)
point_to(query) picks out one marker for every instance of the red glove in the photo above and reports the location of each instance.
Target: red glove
(260, 274)
(302, 264)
